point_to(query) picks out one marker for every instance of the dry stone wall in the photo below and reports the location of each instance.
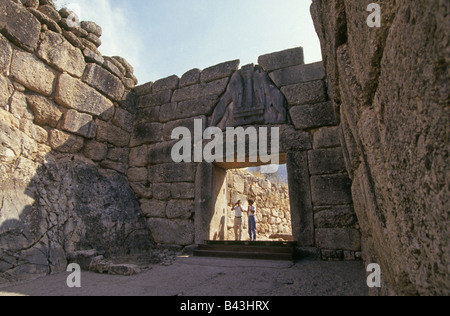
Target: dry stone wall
(390, 88)
(85, 156)
(271, 199)
(64, 135)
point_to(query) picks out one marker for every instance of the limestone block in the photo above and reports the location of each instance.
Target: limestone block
(32, 73)
(300, 198)
(95, 150)
(198, 91)
(306, 93)
(139, 156)
(161, 191)
(137, 174)
(182, 209)
(161, 152)
(190, 78)
(169, 83)
(19, 25)
(107, 132)
(202, 106)
(182, 191)
(172, 172)
(74, 94)
(18, 106)
(104, 81)
(143, 89)
(238, 184)
(64, 142)
(155, 99)
(142, 190)
(110, 65)
(48, 22)
(59, 53)
(168, 112)
(79, 123)
(148, 115)
(91, 27)
(326, 161)
(31, 3)
(188, 123)
(298, 74)
(45, 111)
(327, 137)
(129, 69)
(338, 238)
(219, 71)
(118, 154)
(114, 165)
(5, 92)
(36, 132)
(51, 12)
(173, 232)
(82, 258)
(283, 59)
(294, 140)
(5, 54)
(331, 190)
(187, 109)
(124, 269)
(313, 116)
(94, 39)
(123, 119)
(336, 217)
(147, 133)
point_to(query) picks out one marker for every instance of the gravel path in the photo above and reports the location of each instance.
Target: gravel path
(213, 277)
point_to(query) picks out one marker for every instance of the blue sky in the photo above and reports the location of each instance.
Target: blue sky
(161, 38)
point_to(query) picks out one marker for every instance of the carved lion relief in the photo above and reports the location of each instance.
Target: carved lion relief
(250, 98)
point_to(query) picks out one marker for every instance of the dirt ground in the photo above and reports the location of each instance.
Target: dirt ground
(191, 276)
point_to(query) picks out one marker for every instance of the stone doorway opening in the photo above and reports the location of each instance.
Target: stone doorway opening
(268, 187)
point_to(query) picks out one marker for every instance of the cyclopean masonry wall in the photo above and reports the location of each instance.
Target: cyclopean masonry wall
(390, 88)
(186, 203)
(65, 128)
(85, 157)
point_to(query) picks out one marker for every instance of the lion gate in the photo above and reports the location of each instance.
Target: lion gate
(180, 198)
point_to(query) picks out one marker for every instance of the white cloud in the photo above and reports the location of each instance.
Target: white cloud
(117, 39)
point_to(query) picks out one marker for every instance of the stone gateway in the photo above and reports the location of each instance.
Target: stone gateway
(86, 162)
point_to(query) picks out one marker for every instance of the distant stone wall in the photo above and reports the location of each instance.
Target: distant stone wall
(271, 200)
(65, 127)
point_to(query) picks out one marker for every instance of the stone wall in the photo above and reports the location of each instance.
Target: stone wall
(186, 202)
(65, 127)
(390, 88)
(271, 199)
(85, 156)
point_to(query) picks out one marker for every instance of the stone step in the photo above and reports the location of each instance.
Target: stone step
(252, 243)
(244, 255)
(260, 250)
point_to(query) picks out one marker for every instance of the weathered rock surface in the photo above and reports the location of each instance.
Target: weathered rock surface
(68, 205)
(390, 86)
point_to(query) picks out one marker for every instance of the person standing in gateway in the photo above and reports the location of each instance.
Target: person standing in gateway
(252, 220)
(238, 221)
